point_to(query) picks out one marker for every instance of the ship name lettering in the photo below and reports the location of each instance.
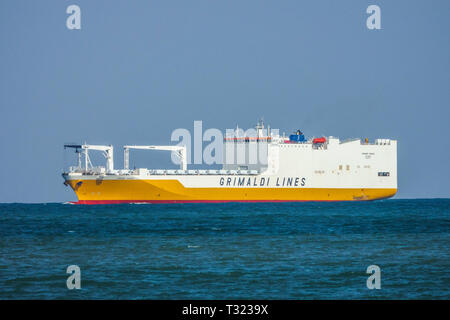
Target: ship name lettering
(261, 182)
(289, 182)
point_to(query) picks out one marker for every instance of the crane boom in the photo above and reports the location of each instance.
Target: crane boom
(180, 151)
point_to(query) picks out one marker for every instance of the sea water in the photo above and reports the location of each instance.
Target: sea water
(226, 251)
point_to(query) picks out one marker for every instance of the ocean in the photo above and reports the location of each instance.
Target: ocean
(227, 251)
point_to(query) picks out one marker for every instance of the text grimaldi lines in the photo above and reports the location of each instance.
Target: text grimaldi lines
(262, 181)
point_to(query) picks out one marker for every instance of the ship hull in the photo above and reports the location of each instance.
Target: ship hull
(99, 191)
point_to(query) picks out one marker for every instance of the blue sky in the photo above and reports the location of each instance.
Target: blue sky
(139, 69)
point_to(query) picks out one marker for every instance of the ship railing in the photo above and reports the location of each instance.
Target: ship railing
(350, 140)
(91, 171)
(287, 141)
(382, 141)
(365, 141)
(362, 141)
(75, 169)
(146, 172)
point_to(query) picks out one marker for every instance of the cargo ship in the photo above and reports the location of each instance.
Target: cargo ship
(294, 169)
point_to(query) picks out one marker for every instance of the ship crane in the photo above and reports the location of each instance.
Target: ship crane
(180, 151)
(107, 153)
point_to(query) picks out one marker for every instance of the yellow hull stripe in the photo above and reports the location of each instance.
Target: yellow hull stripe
(173, 190)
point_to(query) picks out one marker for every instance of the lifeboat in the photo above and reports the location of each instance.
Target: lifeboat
(319, 140)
